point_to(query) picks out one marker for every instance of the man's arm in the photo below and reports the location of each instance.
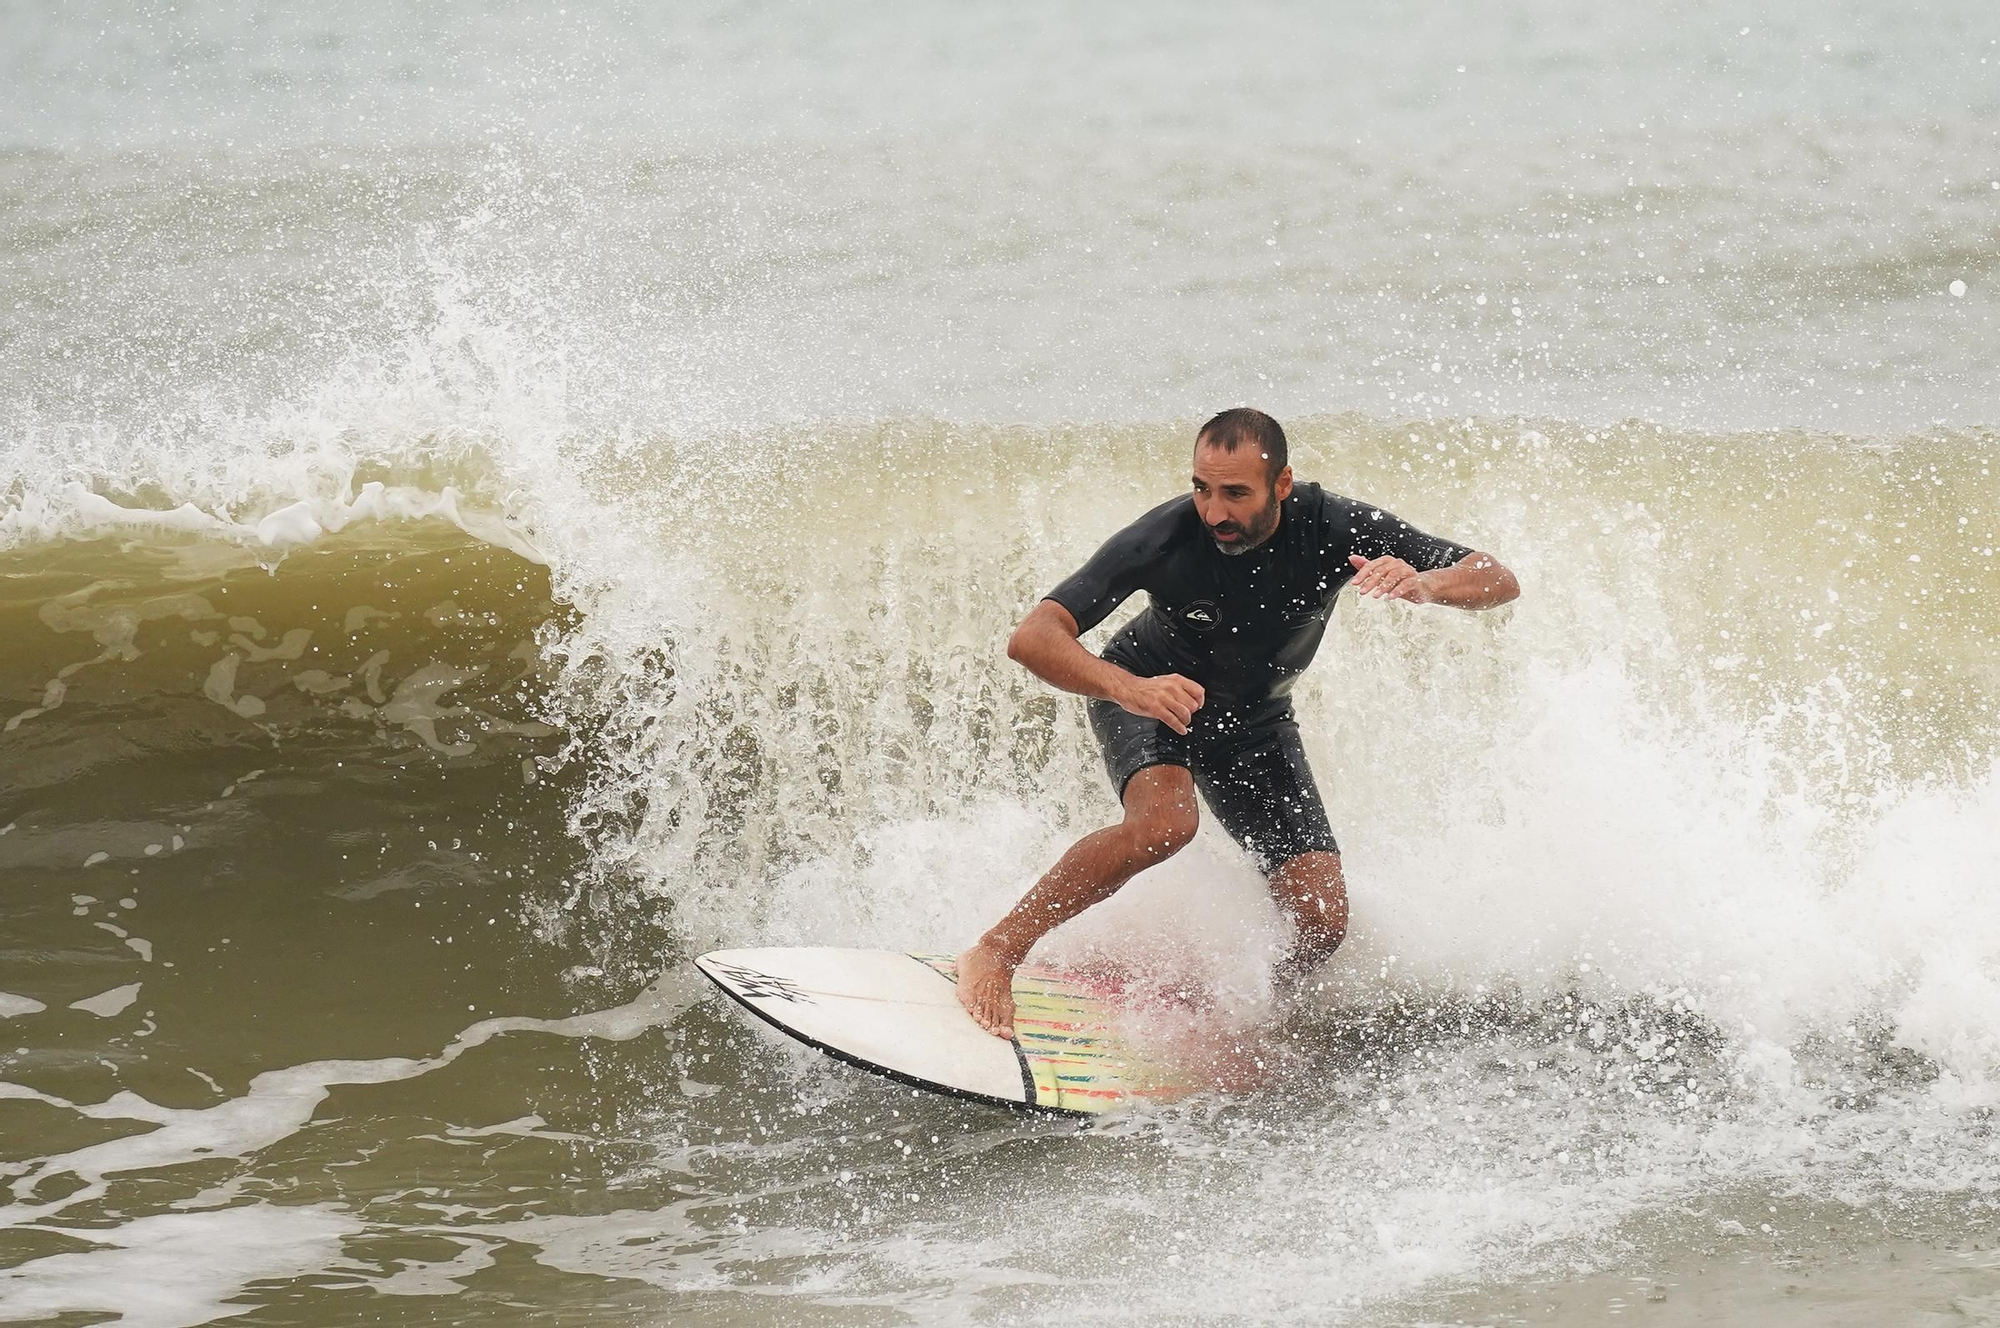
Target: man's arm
(1476, 581)
(1046, 645)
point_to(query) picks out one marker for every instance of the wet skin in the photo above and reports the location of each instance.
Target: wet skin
(1160, 818)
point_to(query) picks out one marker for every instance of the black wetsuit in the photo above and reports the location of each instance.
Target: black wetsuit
(1244, 626)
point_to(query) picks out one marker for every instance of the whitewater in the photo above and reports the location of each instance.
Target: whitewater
(492, 506)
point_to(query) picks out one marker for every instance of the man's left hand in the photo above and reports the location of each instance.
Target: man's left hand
(1389, 578)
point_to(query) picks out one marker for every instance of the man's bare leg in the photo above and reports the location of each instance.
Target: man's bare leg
(1160, 818)
(1313, 894)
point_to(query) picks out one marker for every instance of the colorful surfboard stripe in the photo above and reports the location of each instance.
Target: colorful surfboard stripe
(1065, 1031)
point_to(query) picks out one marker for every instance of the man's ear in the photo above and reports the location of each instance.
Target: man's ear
(1284, 484)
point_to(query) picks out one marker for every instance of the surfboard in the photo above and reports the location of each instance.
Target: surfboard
(897, 1014)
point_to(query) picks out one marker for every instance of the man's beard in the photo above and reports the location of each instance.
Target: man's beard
(1261, 528)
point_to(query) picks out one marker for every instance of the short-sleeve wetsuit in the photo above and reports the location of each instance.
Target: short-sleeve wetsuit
(1244, 626)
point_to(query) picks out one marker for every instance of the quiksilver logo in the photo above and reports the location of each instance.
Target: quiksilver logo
(1200, 615)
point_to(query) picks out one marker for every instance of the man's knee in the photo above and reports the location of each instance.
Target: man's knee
(1160, 815)
(1320, 933)
(1314, 892)
(1160, 833)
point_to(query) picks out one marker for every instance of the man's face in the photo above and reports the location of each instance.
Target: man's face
(1236, 497)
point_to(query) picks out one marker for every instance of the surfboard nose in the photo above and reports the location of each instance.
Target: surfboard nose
(881, 1010)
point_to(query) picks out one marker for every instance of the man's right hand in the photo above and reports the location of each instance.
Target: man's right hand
(1169, 698)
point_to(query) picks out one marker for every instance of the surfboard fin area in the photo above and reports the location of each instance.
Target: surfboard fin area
(898, 1015)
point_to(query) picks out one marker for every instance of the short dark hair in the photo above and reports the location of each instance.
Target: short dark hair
(1243, 426)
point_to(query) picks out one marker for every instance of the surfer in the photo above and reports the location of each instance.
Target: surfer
(1194, 694)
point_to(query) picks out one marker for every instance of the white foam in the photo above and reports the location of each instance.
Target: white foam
(108, 1003)
(649, 1247)
(437, 1277)
(13, 1007)
(530, 1126)
(280, 1102)
(177, 1270)
(73, 511)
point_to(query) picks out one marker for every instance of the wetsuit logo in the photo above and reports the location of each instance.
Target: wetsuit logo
(1200, 615)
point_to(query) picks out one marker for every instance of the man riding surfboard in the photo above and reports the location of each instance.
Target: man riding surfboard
(1194, 694)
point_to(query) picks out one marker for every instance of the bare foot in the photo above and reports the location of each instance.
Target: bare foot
(986, 990)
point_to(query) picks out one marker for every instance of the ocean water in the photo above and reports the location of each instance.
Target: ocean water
(497, 501)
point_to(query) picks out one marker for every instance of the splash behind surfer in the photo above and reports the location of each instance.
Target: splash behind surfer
(1194, 694)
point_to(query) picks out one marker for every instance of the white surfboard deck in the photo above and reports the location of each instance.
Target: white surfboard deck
(898, 1015)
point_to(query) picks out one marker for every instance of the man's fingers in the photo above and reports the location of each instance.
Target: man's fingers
(1185, 691)
(1380, 577)
(1171, 699)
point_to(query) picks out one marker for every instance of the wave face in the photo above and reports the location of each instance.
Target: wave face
(1674, 879)
(481, 524)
